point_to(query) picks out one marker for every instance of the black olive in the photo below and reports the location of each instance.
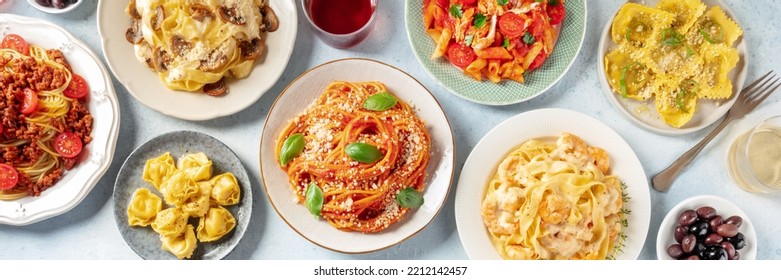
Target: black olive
(739, 241)
(700, 250)
(715, 253)
(700, 230)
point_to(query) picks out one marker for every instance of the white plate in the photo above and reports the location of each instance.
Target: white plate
(301, 93)
(723, 207)
(77, 182)
(644, 114)
(481, 165)
(147, 88)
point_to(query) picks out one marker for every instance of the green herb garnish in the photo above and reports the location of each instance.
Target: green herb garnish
(708, 38)
(314, 199)
(468, 39)
(502, 2)
(409, 198)
(506, 43)
(553, 2)
(528, 38)
(455, 11)
(362, 152)
(380, 101)
(479, 20)
(291, 148)
(671, 38)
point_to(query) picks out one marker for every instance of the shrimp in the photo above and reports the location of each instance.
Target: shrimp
(496, 220)
(554, 209)
(600, 158)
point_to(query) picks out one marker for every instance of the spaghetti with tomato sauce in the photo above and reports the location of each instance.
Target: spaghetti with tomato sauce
(45, 120)
(495, 39)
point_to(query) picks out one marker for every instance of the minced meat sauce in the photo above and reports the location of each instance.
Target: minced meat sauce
(38, 77)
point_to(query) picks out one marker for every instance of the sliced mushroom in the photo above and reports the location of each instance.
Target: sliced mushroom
(131, 10)
(158, 18)
(179, 45)
(217, 88)
(251, 50)
(214, 61)
(200, 12)
(161, 59)
(134, 34)
(270, 20)
(230, 14)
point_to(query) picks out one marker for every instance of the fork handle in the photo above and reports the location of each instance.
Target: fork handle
(663, 180)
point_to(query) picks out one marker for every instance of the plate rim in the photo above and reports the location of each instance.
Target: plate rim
(669, 131)
(460, 200)
(286, 51)
(450, 89)
(113, 133)
(451, 141)
(245, 196)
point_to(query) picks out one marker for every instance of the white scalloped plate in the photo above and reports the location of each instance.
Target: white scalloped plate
(146, 87)
(486, 155)
(643, 113)
(103, 105)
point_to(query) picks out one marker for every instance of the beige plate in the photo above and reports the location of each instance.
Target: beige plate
(643, 113)
(302, 92)
(147, 88)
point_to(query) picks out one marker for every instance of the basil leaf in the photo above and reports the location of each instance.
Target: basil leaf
(480, 20)
(409, 198)
(502, 2)
(380, 101)
(506, 42)
(468, 39)
(314, 199)
(671, 38)
(707, 36)
(528, 38)
(455, 11)
(362, 152)
(622, 79)
(291, 148)
(679, 99)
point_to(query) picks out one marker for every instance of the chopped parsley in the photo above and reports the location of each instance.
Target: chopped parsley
(479, 21)
(468, 39)
(455, 11)
(506, 43)
(502, 2)
(528, 38)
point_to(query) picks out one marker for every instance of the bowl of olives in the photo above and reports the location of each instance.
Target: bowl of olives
(706, 228)
(55, 6)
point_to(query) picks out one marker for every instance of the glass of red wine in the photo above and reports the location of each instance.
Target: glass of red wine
(341, 23)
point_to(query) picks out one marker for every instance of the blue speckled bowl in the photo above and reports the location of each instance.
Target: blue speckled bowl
(143, 240)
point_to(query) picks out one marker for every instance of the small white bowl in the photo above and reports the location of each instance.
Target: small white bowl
(53, 10)
(666, 236)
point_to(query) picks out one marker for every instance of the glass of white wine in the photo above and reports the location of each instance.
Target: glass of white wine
(754, 158)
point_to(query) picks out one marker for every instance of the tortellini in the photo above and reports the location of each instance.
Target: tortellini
(189, 191)
(143, 208)
(215, 224)
(225, 189)
(675, 53)
(196, 166)
(170, 222)
(183, 245)
(158, 169)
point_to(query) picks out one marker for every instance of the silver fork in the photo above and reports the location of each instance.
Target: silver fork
(748, 99)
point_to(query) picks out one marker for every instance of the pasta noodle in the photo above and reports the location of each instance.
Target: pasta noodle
(193, 45)
(674, 53)
(517, 35)
(554, 201)
(357, 196)
(191, 192)
(40, 114)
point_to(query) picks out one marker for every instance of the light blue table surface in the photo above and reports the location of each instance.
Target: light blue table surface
(89, 232)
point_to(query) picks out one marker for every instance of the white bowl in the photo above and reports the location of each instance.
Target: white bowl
(53, 10)
(724, 208)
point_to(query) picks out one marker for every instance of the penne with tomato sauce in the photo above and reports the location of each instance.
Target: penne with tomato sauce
(495, 39)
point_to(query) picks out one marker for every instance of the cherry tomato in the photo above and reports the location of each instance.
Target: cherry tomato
(67, 144)
(511, 25)
(537, 62)
(8, 176)
(78, 87)
(444, 3)
(16, 42)
(556, 13)
(30, 102)
(460, 55)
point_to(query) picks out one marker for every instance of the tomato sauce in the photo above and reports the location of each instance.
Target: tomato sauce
(341, 16)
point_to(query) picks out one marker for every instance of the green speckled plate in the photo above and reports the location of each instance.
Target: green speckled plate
(571, 35)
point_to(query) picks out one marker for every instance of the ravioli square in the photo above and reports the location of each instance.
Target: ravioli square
(686, 12)
(640, 26)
